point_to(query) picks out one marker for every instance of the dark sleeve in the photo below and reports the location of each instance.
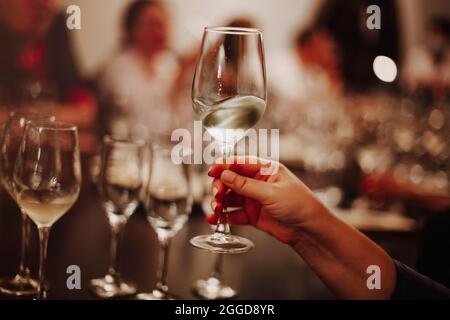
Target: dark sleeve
(412, 285)
(432, 261)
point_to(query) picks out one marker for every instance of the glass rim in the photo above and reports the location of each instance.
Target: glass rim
(234, 30)
(30, 112)
(52, 125)
(110, 140)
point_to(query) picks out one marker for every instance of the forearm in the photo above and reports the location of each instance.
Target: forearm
(340, 255)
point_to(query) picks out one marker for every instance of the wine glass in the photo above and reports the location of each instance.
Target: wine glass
(22, 284)
(212, 288)
(229, 97)
(47, 178)
(169, 203)
(120, 183)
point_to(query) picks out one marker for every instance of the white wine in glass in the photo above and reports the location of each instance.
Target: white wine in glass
(229, 97)
(45, 207)
(228, 121)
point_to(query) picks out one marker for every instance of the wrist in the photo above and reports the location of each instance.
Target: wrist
(312, 226)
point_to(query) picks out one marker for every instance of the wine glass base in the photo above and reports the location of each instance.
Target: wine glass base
(110, 287)
(156, 294)
(222, 243)
(213, 289)
(19, 286)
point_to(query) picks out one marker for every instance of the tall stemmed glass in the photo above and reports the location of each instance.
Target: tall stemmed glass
(22, 284)
(47, 178)
(229, 97)
(169, 204)
(120, 183)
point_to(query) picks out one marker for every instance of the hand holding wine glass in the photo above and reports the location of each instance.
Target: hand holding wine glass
(279, 204)
(229, 97)
(47, 178)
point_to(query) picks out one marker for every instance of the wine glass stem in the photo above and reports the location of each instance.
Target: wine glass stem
(116, 232)
(43, 238)
(163, 266)
(223, 228)
(217, 268)
(24, 271)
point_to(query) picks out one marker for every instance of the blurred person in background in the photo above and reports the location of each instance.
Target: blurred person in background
(137, 82)
(346, 23)
(427, 68)
(188, 61)
(310, 70)
(37, 65)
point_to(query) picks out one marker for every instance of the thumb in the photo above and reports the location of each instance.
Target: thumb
(245, 186)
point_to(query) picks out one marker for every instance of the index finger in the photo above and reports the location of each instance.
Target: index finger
(242, 165)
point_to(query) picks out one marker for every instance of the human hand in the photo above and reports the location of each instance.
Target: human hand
(279, 204)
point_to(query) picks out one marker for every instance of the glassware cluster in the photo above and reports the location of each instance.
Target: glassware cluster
(41, 170)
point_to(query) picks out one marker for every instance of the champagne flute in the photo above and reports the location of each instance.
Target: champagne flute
(47, 178)
(212, 288)
(229, 97)
(169, 204)
(119, 184)
(22, 284)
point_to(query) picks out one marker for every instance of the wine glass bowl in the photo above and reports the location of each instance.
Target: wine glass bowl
(169, 200)
(229, 87)
(120, 177)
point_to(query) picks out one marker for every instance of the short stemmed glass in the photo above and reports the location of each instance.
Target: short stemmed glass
(229, 97)
(169, 203)
(47, 179)
(119, 183)
(22, 284)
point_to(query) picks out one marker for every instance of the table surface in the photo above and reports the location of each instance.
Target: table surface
(271, 270)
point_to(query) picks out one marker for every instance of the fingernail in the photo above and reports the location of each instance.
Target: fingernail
(215, 190)
(228, 176)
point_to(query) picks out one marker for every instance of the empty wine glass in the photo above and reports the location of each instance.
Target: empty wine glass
(47, 178)
(22, 283)
(169, 203)
(229, 97)
(120, 183)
